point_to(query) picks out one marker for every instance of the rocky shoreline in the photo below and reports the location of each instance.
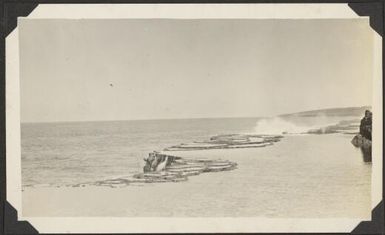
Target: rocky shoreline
(230, 141)
(161, 168)
(178, 170)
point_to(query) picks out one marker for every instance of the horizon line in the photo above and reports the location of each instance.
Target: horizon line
(148, 119)
(185, 118)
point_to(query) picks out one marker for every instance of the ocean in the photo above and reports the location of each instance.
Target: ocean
(77, 152)
(303, 175)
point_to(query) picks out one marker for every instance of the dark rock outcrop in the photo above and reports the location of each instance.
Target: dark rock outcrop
(154, 160)
(365, 145)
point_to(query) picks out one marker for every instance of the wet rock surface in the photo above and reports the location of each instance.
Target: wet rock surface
(230, 141)
(182, 168)
(365, 145)
(179, 170)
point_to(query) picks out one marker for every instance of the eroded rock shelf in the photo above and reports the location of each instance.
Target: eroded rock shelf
(161, 167)
(178, 170)
(230, 141)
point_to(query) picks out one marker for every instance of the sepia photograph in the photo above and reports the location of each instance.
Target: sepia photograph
(196, 118)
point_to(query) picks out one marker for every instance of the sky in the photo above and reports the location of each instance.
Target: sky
(125, 69)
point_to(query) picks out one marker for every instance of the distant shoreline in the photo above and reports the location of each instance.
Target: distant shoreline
(341, 111)
(345, 111)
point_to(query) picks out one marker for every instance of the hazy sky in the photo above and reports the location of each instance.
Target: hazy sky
(79, 70)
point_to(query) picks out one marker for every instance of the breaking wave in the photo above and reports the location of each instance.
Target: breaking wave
(295, 125)
(278, 126)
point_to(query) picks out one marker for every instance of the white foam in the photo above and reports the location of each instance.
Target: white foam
(277, 126)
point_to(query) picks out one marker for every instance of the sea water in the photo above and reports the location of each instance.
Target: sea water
(60, 154)
(303, 175)
(78, 152)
